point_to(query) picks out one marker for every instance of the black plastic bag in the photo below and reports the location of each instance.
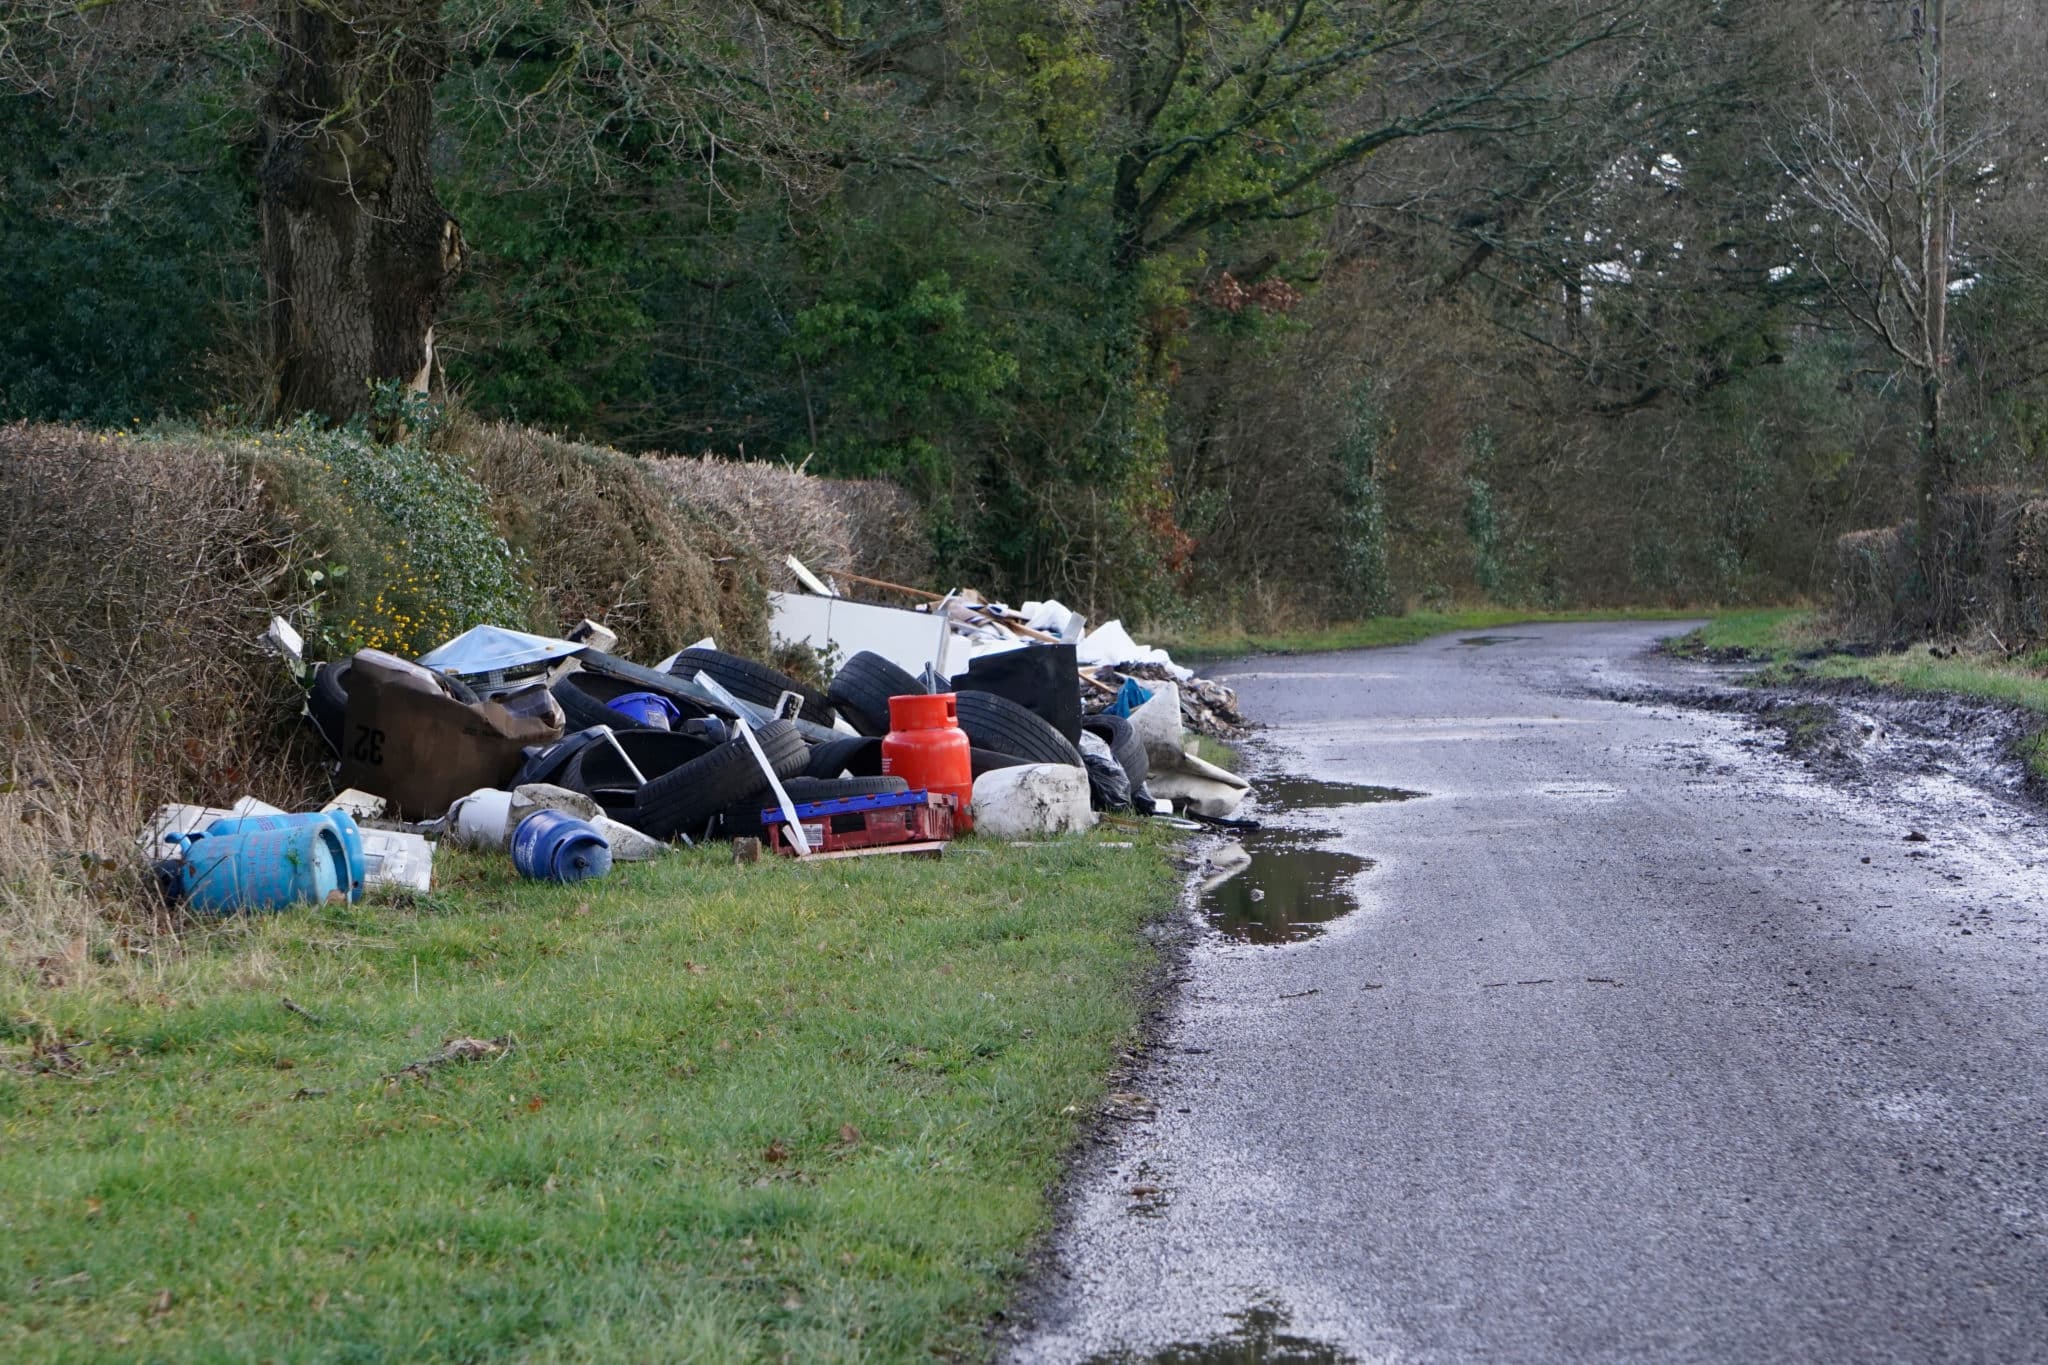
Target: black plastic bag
(1109, 786)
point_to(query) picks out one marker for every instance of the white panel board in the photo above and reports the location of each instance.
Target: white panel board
(908, 639)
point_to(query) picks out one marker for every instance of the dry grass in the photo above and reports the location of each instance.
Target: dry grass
(134, 584)
(604, 539)
(868, 527)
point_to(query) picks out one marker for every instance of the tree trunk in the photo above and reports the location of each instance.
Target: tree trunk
(1937, 542)
(357, 251)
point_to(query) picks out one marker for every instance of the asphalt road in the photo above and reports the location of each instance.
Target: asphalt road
(1641, 1043)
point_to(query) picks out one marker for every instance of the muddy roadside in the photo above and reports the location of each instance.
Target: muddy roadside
(1175, 935)
(1858, 734)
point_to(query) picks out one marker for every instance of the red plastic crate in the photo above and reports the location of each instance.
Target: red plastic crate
(851, 823)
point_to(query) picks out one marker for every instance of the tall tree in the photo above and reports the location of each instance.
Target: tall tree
(357, 250)
(1180, 152)
(1912, 168)
(1876, 161)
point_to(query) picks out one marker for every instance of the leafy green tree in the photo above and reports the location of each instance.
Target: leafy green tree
(114, 287)
(902, 365)
(1177, 152)
(357, 250)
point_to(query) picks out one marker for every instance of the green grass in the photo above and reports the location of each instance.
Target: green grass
(1917, 670)
(808, 1112)
(1380, 631)
(1212, 750)
(1767, 632)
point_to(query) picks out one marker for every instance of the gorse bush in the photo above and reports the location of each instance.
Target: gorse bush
(408, 551)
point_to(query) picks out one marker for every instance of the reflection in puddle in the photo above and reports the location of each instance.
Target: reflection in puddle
(1492, 639)
(1258, 1340)
(1286, 885)
(1301, 793)
(1291, 889)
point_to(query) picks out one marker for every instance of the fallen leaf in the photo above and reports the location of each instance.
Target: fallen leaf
(849, 1135)
(94, 1208)
(1140, 1191)
(776, 1154)
(162, 1303)
(695, 968)
(533, 1105)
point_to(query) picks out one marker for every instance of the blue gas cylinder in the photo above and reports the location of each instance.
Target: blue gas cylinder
(553, 847)
(344, 825)
(649, 708)
(262, 869)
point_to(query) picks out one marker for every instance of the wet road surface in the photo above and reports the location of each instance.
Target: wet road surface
(1639, 1042)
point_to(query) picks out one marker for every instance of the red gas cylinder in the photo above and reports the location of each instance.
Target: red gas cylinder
(927, 748)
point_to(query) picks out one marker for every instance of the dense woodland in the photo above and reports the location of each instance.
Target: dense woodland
(1294, 308)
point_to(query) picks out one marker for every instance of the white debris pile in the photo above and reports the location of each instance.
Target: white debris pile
(827, 620)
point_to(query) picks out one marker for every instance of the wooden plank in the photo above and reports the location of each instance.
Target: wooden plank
(892, 587)
(807, 578)
(934, 849)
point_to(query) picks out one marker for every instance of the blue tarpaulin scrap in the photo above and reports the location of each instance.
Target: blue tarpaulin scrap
(1129, 699)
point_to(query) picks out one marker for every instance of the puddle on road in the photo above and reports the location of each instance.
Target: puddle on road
(1484, 640)
(1294, 884)
(1278, 795)
(1257, 1340)
(1290, 891)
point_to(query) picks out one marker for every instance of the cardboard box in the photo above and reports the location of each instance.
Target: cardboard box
(422, 751)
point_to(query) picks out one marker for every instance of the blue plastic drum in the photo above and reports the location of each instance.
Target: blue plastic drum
(649, 708)
(262, 869)
(344, 825)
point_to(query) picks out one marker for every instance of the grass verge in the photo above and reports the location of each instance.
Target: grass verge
(1793, 646)
(1770, 633)
(1212, 750)
(1381, 631)
(809, 1112)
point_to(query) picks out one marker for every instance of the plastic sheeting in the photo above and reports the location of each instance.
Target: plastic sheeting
(1109, 643)
(494, 649)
